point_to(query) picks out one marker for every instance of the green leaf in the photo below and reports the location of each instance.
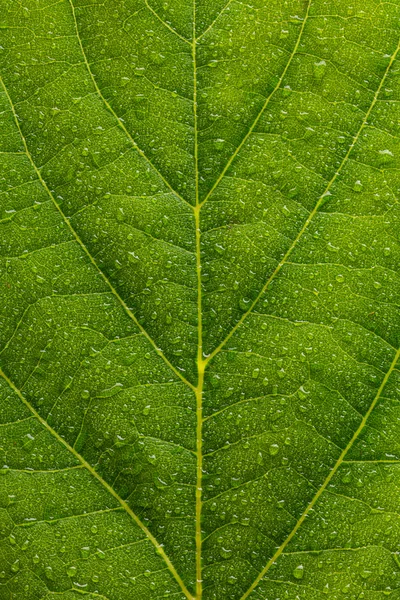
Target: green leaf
(199, 324)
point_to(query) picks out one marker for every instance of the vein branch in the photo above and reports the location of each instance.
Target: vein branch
(166, 24)
(313, 212)
(327, 481)
(104, 483)
(111, 110)
(214, 21)
(264, 106)
(86, 251)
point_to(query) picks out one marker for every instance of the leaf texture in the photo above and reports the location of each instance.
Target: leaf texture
(199, 316)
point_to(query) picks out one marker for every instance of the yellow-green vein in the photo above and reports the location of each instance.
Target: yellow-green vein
(264, 106)
(111, 110)
(200, 360)
(326, 482)
(312, 213)
(104, 483)
(86, 251)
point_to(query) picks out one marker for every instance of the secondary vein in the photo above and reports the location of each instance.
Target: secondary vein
(86, 251)
(264, 106)
(312, 213)
(104, 483)
(326, 482)
(111, 110)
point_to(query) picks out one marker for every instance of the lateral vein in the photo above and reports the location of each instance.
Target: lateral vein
(326, 482)
(104, 483)
(111, 110)
(312, 213)
(264, 106)
(84, 248)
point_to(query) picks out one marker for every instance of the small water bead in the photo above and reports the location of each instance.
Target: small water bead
(219, 144)
(71, 571)
(225, 552)
(244, 303)
(255, 373)
(273, 449)
(298, 572)
(85, 551)
(366, 573)
(319, 69)
(339, 278)
(25, 545)
(385, 157)
(358, 186)
(15, 566)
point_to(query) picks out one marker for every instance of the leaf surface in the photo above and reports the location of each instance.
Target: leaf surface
(199, 324)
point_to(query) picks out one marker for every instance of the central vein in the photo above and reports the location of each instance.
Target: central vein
(200, 361)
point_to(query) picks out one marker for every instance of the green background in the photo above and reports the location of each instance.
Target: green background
(199, 291)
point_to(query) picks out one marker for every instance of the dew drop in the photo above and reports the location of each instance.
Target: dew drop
(319, 69)
(298, 572)
(273, 449)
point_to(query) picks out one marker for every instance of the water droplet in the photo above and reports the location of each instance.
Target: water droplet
(85, 551)
(365, 573)
(273, 449)
(219, 144)
(25, 545)
(385, 157)
(225, 552)
(298, 572)
(244, 303)
(319, 69)
(15, 566)
(71, 571)
(358, 186)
